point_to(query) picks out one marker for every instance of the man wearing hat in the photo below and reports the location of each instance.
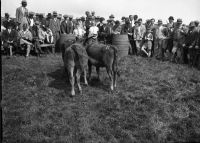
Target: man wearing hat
(138, 35)
(170, 27)
(93, 14)
(161, 35)
(148, 39)
(112, 17)
(55, 27)
(31, 20)
(109, 31)
(48, 18)
(70, 25)
(87, 13)
(102, 27)
(9, 38)
(178, 39)
(63, 26)
(191, 44)
(88, 24)
(6, 21)
(22, 14)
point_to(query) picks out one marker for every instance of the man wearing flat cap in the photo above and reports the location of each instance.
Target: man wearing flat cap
(7, 21)
(55, 27)
(178, 39)
(170, 27)
(191, 47)
(22, 14)
(63, 26)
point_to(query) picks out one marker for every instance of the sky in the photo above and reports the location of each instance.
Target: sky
(188, 10)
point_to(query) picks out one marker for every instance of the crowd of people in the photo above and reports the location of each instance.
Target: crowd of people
(173, 41)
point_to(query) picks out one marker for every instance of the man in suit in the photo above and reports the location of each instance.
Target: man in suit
(9, 38)
(22, 14)
(63, 26)
(47, 23)
(55, 27)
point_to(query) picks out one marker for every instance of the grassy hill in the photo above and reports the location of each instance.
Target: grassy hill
(155, 102)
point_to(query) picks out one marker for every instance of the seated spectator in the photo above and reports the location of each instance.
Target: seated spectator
(38, 38)
(25, 38)
(9, 39)
(49, 36)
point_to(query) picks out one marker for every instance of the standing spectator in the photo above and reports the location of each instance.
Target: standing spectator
(42, 20)
(70, 25)
(131, 19)
(161, 36)
(135, 18)
(102, 27)
(9, 38)
(191, 44)
(25, 37)
(63, 26)
(7, 21)
(138, 35)
(170, 27)
(83, 22)
(22, 14)
(109, 31)
(31, 20)
(123, 20)
(88, 24)
(48, 18)
(117, 28)
(178, 39)
(93, 14)
(112, 18)
(55, 27)
(148, 38)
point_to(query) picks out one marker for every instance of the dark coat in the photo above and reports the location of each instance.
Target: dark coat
(12, 36)
(54, 26)
(63, 27)
(70, 27)
(192, 38)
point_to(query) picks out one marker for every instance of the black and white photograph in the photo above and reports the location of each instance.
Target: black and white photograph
(100, 71)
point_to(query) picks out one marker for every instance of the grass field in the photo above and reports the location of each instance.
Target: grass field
(155, 102)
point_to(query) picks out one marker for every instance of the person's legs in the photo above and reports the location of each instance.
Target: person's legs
(28, 49)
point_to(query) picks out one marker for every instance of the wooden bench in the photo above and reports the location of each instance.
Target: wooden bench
(49, 45)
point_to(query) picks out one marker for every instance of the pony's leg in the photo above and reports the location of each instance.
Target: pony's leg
(110, 74)
(85, 77)
(78, 74)
(89, 69)
(71, 79)
(98, 72)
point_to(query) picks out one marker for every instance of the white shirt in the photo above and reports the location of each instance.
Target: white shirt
(31, 22)
(93, 31)
(79, 32)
